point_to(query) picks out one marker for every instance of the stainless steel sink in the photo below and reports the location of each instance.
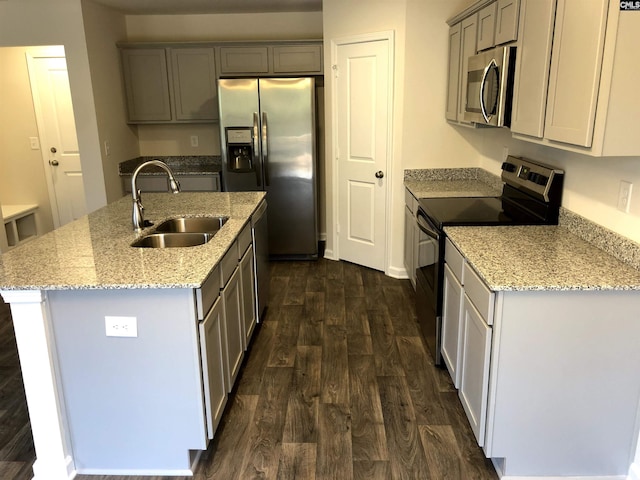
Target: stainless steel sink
(172, 240)
(191, 224)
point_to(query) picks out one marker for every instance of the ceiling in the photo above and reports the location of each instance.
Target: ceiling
(185, 7)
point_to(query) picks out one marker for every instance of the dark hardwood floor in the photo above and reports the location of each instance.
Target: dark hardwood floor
(16, 443)
(336, 385)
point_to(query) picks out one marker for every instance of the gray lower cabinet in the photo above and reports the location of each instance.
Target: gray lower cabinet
(547, 374)
(143, 398)
(160, 183)
(213, 372)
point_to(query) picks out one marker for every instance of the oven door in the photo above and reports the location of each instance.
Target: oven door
(428, 283)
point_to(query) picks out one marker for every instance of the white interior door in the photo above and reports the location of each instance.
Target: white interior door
(362, 128)
(58, 139)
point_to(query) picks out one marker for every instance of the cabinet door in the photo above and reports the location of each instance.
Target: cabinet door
(247, 275)
(232, 301)
(297, 59)
(474, 376)
(576, 63)
(194, 83)
(213, 373)
(146, 84)
(409, 226)
(454, 73)
(468, 39)
(199, 183)
(506, 21)
(244, 60)
(451, 324)
(487, 26)
(532, 67)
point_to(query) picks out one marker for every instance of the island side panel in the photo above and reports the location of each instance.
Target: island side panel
(134, 404)
(564, 382)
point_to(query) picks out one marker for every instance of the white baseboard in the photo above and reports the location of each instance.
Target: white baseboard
(329, 255)
(397, 272)
(634, 471)
(597, 477)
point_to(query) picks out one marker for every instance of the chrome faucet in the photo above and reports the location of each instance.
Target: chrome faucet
(138, 209)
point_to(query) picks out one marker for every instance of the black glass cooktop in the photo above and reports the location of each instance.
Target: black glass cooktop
(467, 211)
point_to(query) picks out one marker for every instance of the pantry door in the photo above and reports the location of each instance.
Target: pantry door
(362, 97)
(57, 134)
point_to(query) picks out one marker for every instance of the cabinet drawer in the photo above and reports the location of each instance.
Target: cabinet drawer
(455, 260)
(228, 263)
(481, 297)
(244, 240)
(208, 293)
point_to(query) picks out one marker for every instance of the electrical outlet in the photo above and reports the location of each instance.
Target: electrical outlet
(121, 326)
(107, 148)
(194, 140)
(505, 153)
(624, 196)
(35, 143)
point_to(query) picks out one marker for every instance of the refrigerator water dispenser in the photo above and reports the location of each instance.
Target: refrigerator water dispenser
(240, 149)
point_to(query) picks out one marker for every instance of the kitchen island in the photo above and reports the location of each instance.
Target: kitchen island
(117, 344)
(546, 348)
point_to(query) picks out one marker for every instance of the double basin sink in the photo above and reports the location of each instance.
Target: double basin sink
(181, 232)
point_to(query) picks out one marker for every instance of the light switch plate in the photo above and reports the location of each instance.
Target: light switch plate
(121, 326)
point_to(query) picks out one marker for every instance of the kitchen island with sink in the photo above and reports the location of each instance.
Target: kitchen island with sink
(128, 353)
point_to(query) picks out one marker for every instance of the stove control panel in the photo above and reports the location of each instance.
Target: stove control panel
(539, 179)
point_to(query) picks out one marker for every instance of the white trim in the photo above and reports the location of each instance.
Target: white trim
(38, 361)
(634, 471)
(589, 477)
(133, 472)
(330, 255)
(398, 272)
(389, 36)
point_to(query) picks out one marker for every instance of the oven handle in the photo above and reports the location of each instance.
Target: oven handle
(424, 225)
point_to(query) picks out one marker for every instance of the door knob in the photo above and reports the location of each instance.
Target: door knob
(379, 174)
(54, 163)
(54, 149)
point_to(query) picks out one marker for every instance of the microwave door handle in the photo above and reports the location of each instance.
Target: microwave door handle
(423, 225)
(485, 74)
(256, 149)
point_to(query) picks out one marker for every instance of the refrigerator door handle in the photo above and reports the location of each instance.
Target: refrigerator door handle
(265, 149)
(256, 151)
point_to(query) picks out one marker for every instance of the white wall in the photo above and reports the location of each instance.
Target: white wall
(103, 28)
(248, 26)
(45, 22)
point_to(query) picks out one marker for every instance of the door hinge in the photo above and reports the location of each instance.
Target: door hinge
(338, 229)
(335, 70)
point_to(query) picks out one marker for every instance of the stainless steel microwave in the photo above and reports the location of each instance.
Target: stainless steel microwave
(490, 87)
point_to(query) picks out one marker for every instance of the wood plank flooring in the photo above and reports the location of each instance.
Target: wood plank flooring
(336, 385)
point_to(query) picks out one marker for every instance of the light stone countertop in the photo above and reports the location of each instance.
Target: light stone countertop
(521, 258)
(450, 188)
(94, 251)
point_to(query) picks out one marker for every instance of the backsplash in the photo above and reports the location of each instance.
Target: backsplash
(622, 248)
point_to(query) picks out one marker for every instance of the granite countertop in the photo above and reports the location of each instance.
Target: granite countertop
(524, 258)
(452, 182)
(94, 251)
(179, 165)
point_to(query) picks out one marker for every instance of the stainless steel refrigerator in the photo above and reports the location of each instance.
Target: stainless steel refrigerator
(268, 142)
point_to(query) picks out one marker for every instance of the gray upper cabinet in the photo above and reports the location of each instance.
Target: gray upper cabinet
(487, 26)
(170, 84)
(146, 84)
(303, 58)
(507, 14)
(297, 59)
(194, 84)
(244, 60)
